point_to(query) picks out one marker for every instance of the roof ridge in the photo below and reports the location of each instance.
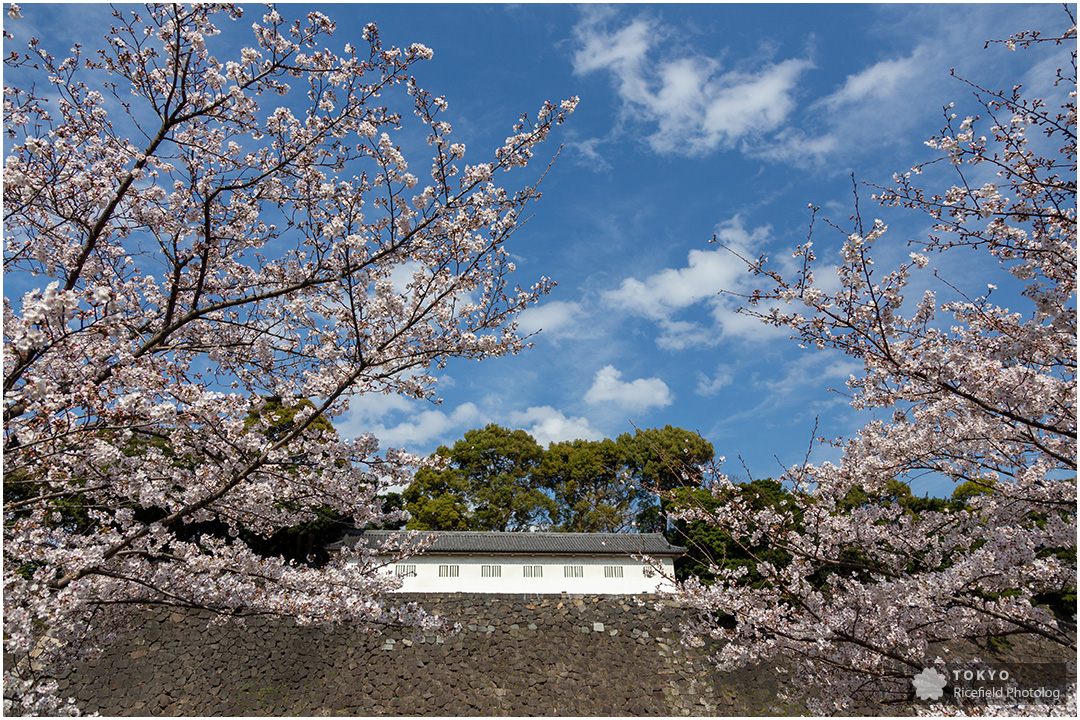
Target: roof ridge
(544, 542)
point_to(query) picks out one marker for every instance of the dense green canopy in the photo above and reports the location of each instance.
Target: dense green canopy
(590, 487)
(500, 479)
(487, 484)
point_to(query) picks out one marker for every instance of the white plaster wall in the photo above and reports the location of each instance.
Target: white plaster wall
(513, 579)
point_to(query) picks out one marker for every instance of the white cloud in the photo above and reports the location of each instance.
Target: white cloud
(664, 294)
(400, 422)
(374, 406)
(750, 104)
(736, 324)
(402, 275)
(809, 371)
(707, 272)
(873, 107)
(639, 394)
(683, 334)
(656, 297)
(548, 425)
(877, 81)
(682, 101)
(695, 104)
(709, 386)
(556, 318)
(420, 429)
(797, 146)
(623, 50)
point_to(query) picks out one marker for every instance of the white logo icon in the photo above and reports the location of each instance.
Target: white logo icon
(929, 684)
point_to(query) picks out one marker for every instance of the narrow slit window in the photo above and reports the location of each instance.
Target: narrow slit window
(533, 571)
(448, 571)
(613, 571)
(491, 571)
(405, 570)
(573, 571)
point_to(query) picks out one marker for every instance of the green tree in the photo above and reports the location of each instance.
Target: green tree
(305, 542)
(438, 499)
(589, 487)
(664, 459)
(488, 484)
(275, 419)
(899, 492)
(970, 489)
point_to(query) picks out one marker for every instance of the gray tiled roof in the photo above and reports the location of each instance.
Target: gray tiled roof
(554, 543)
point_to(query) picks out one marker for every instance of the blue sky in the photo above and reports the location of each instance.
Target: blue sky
(694, 121)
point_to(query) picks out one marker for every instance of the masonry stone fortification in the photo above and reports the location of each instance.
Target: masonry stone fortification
(541, 655)
(514, 655)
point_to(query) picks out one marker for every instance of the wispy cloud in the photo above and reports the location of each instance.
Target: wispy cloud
(664, 295)
(875, 105)
(686, 101)
(694, 103)
(640, 394)
(810, 369)
(880, 80)
(709, 385)
(586, 154)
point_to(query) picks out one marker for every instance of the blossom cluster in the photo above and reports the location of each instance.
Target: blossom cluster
(246, 240)
(980, 394)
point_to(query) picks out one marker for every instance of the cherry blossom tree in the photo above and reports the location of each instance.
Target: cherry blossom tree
(202, 233)
(979, 393)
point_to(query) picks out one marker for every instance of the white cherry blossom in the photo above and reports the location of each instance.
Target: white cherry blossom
(240, 243)
(980, 394)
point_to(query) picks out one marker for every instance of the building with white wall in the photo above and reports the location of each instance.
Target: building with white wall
(529, 562)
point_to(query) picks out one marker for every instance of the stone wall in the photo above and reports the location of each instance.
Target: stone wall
(515, 655)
